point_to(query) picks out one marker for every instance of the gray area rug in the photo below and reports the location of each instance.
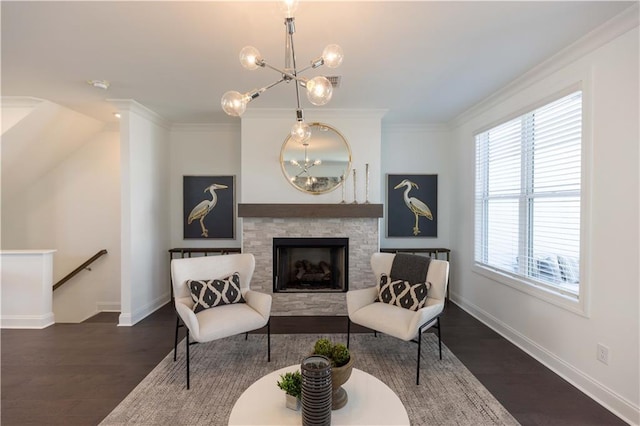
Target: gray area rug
(448, 393)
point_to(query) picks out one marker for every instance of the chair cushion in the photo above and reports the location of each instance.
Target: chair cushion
(211, 293)
(402, 293)
(228, 320)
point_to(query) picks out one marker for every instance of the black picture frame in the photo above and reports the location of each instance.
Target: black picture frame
(220, 220)
(401, 219)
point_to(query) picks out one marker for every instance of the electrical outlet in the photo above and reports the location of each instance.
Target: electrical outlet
(602, 354)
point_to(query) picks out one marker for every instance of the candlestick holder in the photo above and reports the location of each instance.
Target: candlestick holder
(355, 201)
(343, 180)
(366, 183)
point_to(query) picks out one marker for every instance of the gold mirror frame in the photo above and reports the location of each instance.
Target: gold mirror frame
(328, 146)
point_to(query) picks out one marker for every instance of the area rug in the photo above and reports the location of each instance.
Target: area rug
(448, 393)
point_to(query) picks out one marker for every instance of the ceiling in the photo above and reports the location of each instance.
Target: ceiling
(423, 61)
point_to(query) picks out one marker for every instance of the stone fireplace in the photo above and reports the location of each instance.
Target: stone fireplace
(261, 223)
(310, 265)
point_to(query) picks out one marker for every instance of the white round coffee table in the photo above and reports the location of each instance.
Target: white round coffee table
(371, 402)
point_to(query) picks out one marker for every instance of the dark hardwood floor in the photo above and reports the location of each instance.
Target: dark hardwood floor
(75, 374)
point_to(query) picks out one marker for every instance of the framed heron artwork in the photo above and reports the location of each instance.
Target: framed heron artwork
(412, 205)
(209, 207)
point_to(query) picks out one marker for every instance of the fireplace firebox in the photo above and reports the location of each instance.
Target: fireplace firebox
(302, 265)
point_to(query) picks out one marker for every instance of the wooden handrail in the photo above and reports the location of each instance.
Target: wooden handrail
(79, 268)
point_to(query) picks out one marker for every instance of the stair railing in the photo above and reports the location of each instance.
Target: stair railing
(79, 268)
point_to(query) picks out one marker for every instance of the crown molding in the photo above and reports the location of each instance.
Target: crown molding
(133, 106)
(313, 113)
(205, 127)
(620, 24)
(416, 128)
(20, 101)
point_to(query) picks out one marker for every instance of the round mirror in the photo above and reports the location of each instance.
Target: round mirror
(318, 165)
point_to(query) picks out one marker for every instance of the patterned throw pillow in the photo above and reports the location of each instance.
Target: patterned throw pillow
(211, 293)
(402, 293)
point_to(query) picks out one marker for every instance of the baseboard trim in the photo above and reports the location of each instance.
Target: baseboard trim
(600, 393)
(127, 319)
(27, 321)
(108, 306)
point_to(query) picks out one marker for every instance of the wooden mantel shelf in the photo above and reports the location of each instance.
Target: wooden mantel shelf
(310, 210)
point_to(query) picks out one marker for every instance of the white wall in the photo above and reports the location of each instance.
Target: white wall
(264, 132)
(418, 150)
(201, 150)
(215, 150)
(74, 208)
(43, 137)
(563, 340)
(14, 109)
(145, 176)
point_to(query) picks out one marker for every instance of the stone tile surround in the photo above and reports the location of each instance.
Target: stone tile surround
(257, 238)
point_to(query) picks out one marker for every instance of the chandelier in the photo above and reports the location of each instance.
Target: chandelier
(319, 89)
(305, 166)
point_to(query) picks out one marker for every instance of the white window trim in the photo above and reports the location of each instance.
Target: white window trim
(579, 305)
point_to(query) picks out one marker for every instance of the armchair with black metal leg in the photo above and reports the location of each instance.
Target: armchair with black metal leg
(394, 320)
(188, 252)
(226, 319)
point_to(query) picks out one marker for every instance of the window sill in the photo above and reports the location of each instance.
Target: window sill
(575, 304)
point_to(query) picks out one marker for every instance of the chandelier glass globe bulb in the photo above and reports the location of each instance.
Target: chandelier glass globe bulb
(248, 57)
(234, 103)
(319, 90)
(332, 55)
(300, 132)
(289, 7)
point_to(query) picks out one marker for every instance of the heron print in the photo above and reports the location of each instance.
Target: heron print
(208, 207)
(201, 211)
(416, 204)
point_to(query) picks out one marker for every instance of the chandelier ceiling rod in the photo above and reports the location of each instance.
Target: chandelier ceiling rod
(319, 88)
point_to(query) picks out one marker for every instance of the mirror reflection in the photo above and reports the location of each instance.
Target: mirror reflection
(318, 165)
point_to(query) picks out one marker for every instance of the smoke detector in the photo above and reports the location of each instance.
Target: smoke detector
(99, 84)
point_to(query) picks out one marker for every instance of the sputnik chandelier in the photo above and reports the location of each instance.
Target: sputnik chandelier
(305, 166)
(319, 89)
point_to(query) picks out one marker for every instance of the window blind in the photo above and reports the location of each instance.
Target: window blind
(527, 195)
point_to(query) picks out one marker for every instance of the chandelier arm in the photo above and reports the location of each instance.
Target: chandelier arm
(284, 73)
(257, 92)
(305, 68)
(265, 88)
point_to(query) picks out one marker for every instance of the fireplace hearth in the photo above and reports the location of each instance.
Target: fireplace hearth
(302, 265)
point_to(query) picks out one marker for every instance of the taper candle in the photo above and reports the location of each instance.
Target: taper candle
(366, 188)
(355, 201)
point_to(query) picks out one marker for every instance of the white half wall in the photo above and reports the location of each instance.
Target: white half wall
(145, 177)
(26, 275)
(563, 340)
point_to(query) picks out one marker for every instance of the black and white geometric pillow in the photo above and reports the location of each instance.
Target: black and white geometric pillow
(211, 293)
(402, 293)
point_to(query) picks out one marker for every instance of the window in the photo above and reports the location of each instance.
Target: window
(527, 197)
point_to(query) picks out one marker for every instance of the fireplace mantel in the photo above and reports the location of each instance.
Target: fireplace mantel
(310, 210)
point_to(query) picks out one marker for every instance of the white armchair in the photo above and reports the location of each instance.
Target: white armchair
(394, 320)
(225, 320)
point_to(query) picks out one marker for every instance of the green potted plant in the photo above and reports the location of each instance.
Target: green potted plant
(341, 367)
(291, 384)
